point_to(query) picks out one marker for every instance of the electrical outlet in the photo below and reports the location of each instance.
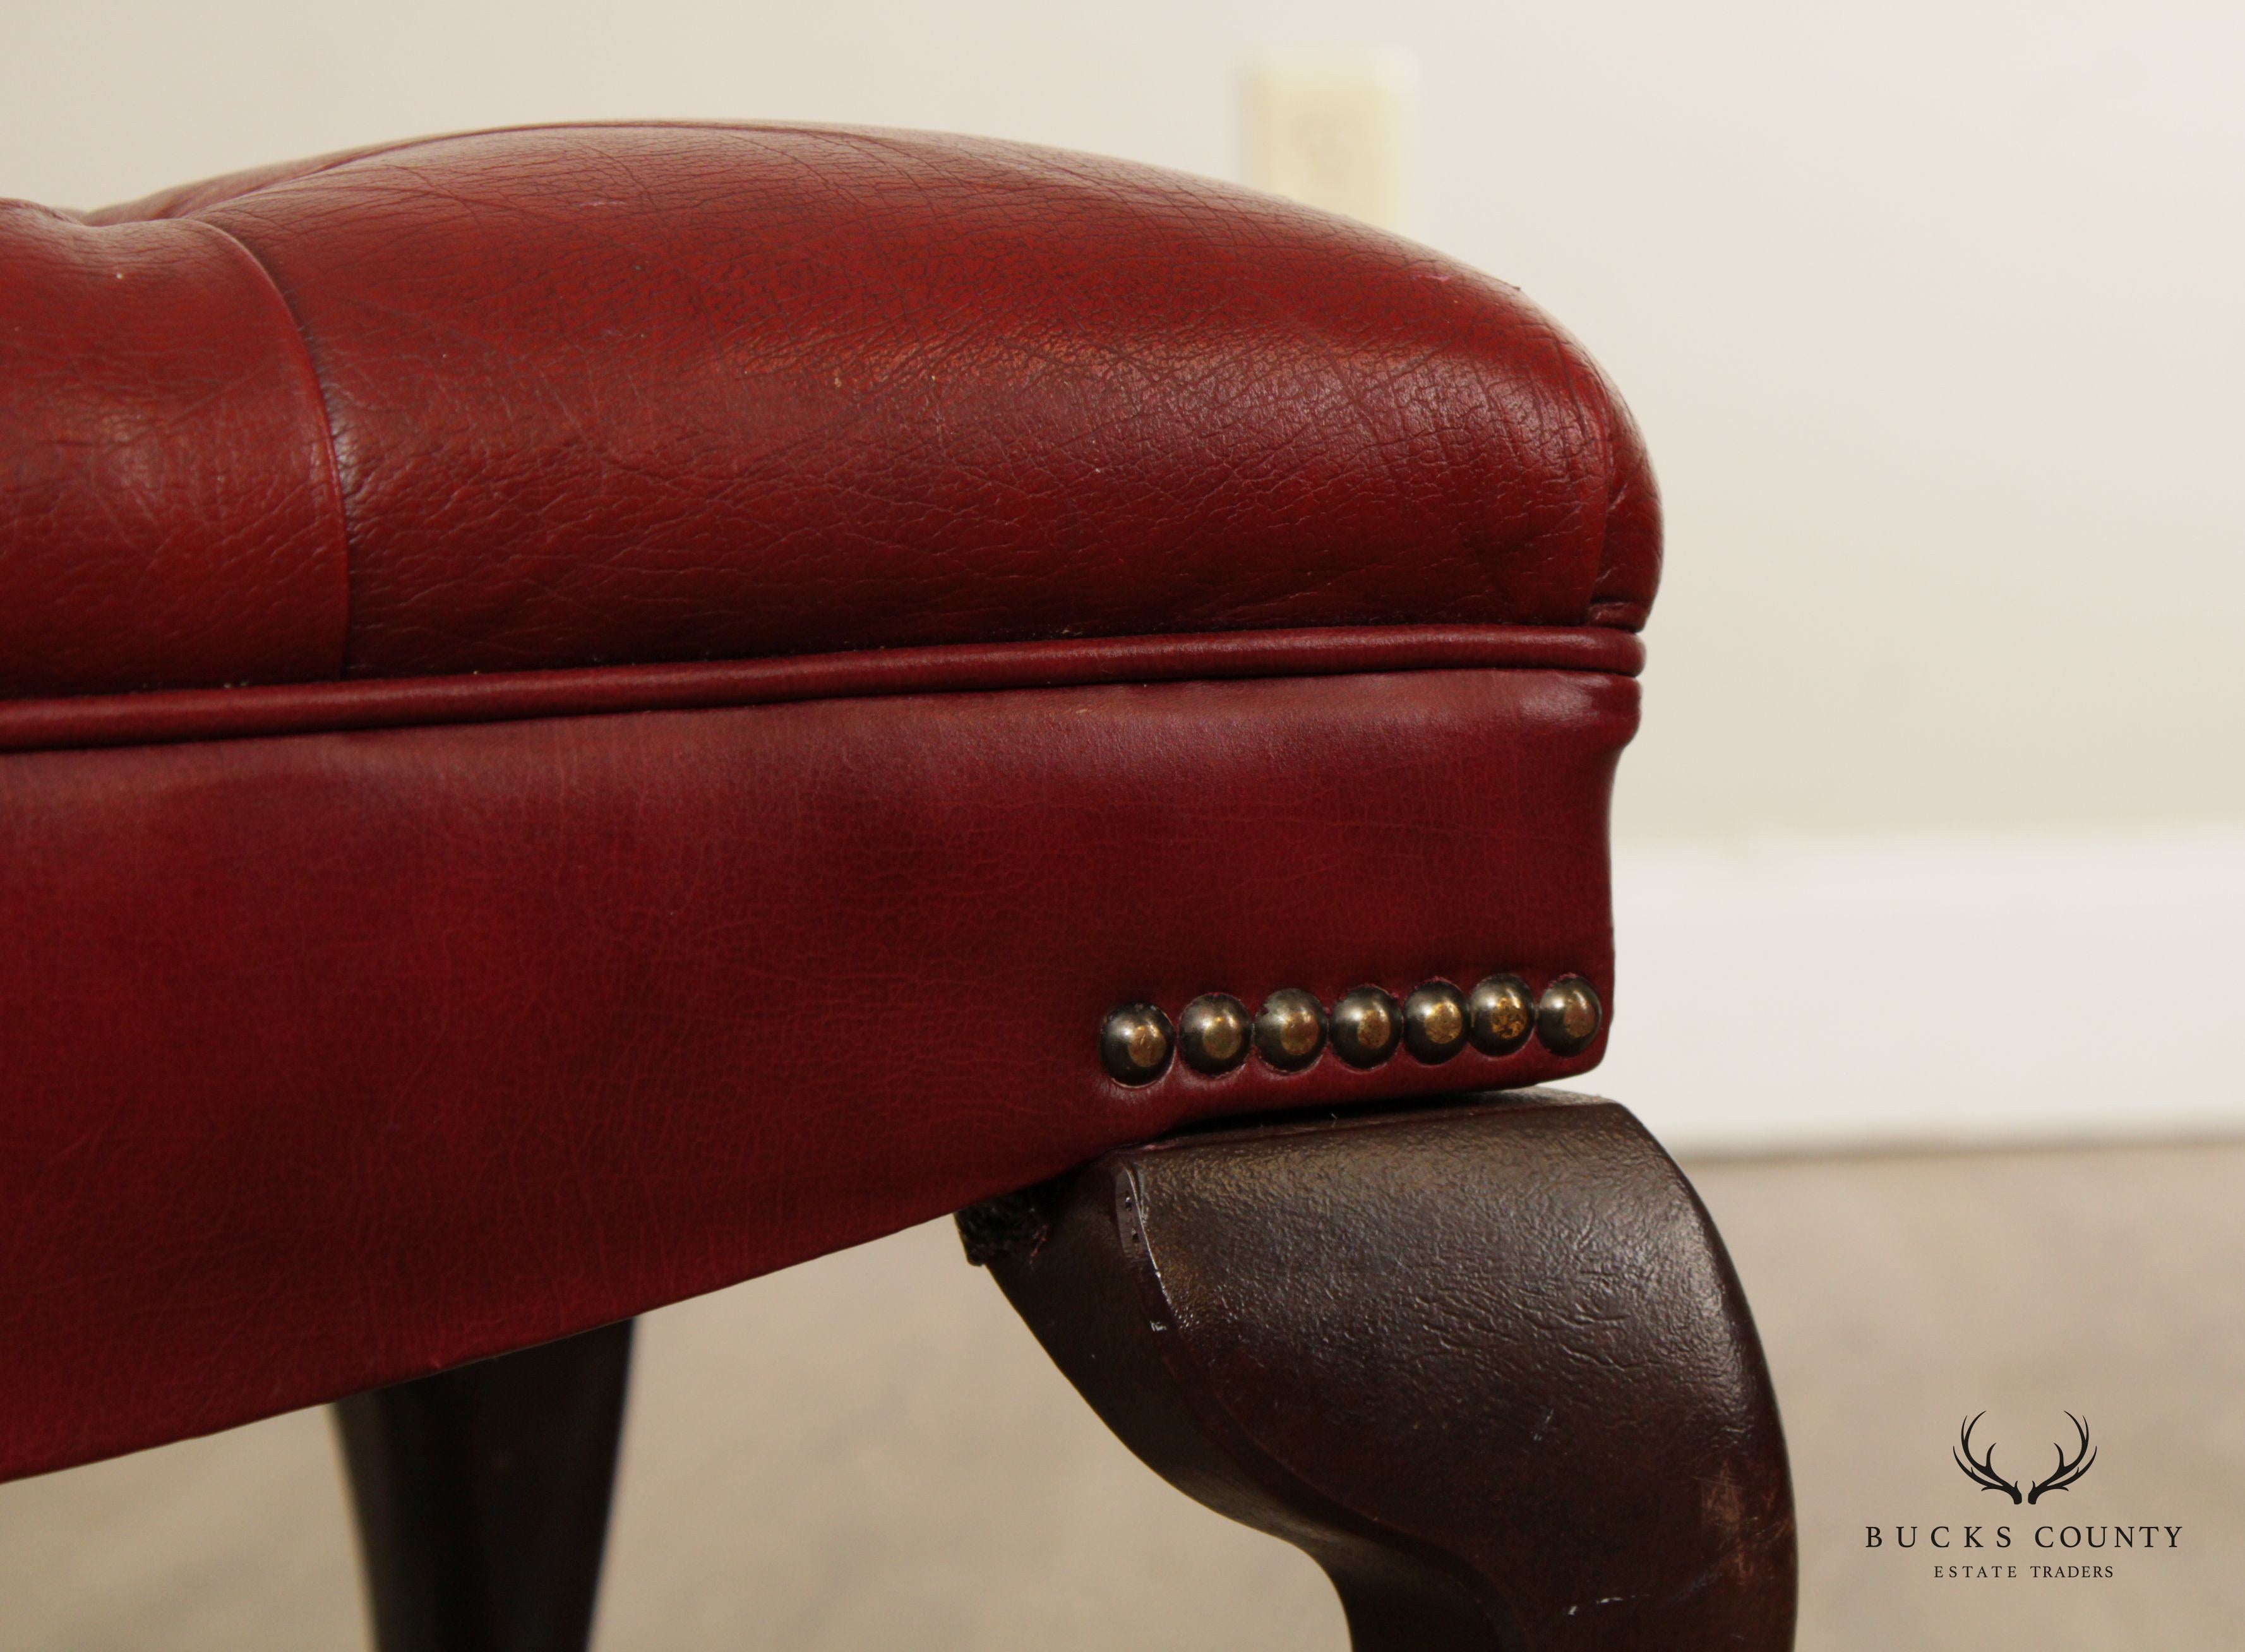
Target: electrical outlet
(1334, 130)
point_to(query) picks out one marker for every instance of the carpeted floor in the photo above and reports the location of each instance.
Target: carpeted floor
(870, 1452)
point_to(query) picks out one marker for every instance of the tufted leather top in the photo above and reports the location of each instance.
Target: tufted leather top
(597, 394)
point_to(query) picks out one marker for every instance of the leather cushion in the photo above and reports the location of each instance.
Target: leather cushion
(168, 511)
(646, 394)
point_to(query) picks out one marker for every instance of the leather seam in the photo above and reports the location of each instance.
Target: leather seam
(367, 704)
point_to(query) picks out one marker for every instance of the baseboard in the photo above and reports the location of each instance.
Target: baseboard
(1791, 994)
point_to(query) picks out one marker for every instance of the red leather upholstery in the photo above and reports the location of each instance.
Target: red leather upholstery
(168, 513)
(952, 589)
(637, 394)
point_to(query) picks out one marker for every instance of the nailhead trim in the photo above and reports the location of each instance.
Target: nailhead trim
(1545, 1013)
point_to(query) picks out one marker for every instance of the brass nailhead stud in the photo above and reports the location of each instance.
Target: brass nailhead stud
(1567, 1016)
(1502, 1014)
(1135, 1043)
(1291, 1029)
(1364, 1026)
(1435, 1020)
(1213, 1032)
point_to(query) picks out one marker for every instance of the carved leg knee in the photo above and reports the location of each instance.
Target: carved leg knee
(1488, 1364)
(482, 1496)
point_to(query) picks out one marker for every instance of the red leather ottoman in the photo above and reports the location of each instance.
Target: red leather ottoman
(597, 711)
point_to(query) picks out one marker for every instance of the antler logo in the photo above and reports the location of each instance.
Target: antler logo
(1981, 1470)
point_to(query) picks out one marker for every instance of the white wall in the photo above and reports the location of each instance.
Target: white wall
(1931, 310)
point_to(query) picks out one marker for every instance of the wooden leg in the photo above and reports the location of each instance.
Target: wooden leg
(1486, 1363)
(482, 1495)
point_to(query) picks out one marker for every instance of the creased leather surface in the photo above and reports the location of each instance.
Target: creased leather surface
(646, 394)
(168, 515)
(338, 1059)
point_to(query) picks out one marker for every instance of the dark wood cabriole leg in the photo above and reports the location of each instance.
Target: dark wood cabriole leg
(482, 1496)
(1486, 1363)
